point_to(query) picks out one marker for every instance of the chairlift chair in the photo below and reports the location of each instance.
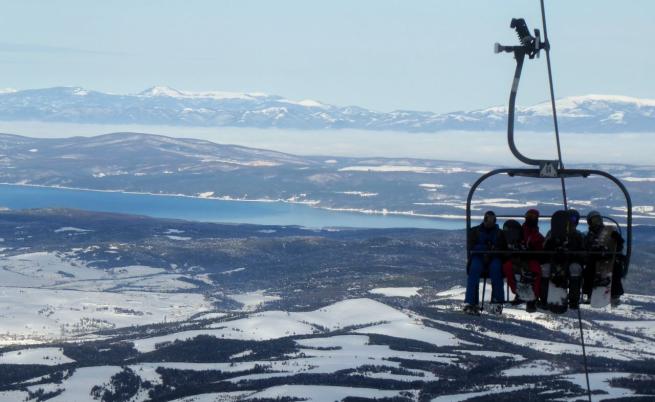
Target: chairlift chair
(531, 46)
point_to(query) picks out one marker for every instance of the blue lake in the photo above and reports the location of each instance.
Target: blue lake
(207, 210)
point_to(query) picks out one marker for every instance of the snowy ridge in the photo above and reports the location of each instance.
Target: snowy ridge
(174, 93)
(164, 105)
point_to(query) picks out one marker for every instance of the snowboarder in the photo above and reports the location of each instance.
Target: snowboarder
(563, 239)
(531, 240)
(485, 237)
(577, 261)
(593, 243)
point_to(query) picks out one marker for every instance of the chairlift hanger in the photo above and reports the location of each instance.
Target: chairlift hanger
(532, 46)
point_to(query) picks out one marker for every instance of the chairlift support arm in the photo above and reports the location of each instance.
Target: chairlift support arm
(530, 46)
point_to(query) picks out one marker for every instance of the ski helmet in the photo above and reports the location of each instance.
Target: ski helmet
(489, 219)
(532, 218)
(533, 213)
(592, 215)
(574, 216)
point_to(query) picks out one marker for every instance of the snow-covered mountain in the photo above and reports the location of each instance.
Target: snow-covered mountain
(164, 105)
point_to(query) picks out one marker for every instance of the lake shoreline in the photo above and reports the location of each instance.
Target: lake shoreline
(310, 203)
(446, 221)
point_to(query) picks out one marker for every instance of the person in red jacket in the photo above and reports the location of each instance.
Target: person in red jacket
(531, 240)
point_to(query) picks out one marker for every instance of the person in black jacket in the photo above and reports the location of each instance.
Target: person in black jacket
(574, 242)
(593, 242)
(485, 237)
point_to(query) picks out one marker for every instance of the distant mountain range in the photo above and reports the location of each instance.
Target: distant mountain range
(168, 106)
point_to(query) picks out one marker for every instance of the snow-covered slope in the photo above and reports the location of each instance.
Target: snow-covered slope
(84, 329)
(165, 105)
(475, 357)
(46, 296)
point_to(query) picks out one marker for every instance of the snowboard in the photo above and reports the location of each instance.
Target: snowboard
(524, 278)
(524, 284)
(557, 296)
(601, 294)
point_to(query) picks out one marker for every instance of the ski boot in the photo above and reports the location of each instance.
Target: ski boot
(517, 300)
(496, 308)
(471, 309)
(615, 301)
(531, 306)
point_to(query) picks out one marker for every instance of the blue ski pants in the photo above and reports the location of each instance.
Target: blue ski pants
(473, 282)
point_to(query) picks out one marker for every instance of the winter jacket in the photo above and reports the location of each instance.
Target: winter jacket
(593, 243)
(482, 239)
(575, 242)
(532, 239)
(592, 239)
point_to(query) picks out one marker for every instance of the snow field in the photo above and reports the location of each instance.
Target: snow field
(600, 382)
(598, 335)
(402, 168)
(346, 352)
(40, 315)
(13, 396)
(216, 397)
(179, 238)
(63, 270)
(266, 325)
(72, 229)
(413, 330)
(78, 386)
(251, 300)
(44, 356)
(48, 296)
(396, 292)
(494, 389)
(329, 354)
(322, 393)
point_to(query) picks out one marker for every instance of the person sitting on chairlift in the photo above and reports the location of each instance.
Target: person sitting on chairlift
(592, 243)
(575, 242)
(485, 237)
(532, 240)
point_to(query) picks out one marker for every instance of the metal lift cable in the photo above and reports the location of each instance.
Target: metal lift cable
(559, 156)
(552, 101)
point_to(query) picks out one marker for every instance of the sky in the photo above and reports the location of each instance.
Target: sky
(380, 54)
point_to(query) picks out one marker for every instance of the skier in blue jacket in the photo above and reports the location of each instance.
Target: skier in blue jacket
(485, 237)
